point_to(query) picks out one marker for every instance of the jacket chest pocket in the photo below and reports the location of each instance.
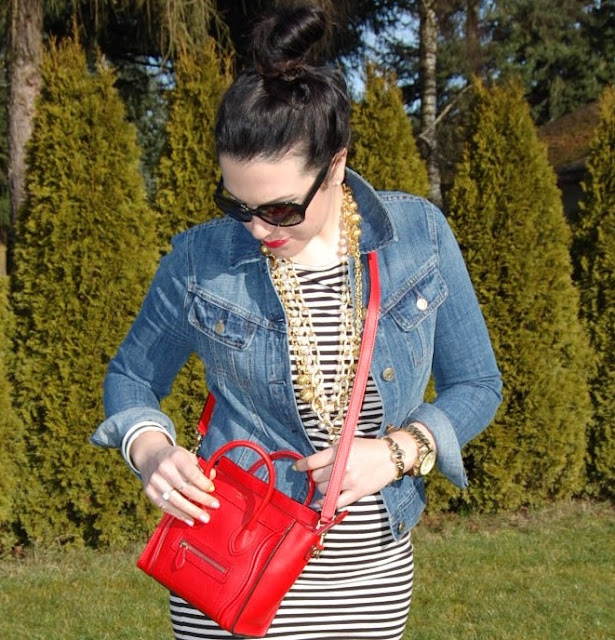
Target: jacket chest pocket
(224, 338)
(414, 313)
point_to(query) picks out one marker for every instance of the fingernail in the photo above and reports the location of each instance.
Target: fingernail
(215, 504)
(294, 467)
(189, 522)
(204, 518)
(211, 489)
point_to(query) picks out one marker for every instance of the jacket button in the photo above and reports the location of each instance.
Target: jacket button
(219, 327)
(401, 527)
(388, 374)
(422, 304)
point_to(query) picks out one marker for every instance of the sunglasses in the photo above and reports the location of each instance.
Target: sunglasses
(278, 214)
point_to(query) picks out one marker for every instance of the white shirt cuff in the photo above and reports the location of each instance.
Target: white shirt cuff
(133, 433)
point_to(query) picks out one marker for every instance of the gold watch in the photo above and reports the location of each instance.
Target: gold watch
(427, 456)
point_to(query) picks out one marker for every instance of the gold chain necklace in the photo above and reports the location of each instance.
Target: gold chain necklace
(330, 409)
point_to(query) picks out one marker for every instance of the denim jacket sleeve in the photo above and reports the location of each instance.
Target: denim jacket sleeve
(151, 355)
(467, 380)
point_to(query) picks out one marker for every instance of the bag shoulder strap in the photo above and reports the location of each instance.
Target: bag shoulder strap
(356, 396)
(208, 409)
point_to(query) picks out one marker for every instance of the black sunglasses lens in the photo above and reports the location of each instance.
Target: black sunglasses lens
(231, 208)
(286, 215)
(282, 215)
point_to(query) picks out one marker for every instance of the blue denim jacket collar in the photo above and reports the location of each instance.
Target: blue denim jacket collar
(376, 225)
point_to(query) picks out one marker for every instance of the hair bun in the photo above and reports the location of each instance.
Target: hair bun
(283, 40)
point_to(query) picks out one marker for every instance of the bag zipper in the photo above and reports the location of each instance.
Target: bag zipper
(185, 546)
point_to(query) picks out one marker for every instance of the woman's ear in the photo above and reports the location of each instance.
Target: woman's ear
(338, 168)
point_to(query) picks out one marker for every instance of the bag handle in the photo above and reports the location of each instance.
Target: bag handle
(356, 396)
(208, 465)
(293, 455)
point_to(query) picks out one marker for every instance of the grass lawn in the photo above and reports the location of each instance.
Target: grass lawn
(546, 574)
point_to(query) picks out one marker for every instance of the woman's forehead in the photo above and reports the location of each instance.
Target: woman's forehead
(265, 180)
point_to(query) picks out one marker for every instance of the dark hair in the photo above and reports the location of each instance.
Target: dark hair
(284, 101)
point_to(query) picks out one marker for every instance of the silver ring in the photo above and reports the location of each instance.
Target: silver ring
(167, 494)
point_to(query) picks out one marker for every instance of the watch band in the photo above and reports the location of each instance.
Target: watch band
(424, 450)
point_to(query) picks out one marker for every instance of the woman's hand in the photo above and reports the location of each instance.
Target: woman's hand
(369, 469)
(172, 478)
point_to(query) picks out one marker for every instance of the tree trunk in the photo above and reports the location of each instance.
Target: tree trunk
(3, 250)
(472, 33)
(429, 106)
(24, 54)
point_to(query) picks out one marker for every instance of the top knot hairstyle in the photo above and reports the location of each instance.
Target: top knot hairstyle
(282, 43)
(285, 101)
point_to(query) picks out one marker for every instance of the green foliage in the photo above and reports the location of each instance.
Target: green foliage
(85, 253)
(384, 150)
(507, 213)
(187, 178)
(11, 452)
(126, 29)
(563, 55)
(594, 257)
(188, 170)
(142, 87)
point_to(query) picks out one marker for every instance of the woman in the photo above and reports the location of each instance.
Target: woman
(267, 296)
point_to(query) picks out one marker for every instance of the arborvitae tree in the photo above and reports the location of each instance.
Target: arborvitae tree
(187, 178)
(507, 213)
(188, 170)
(86, 249)
(594, 257)
(11, 452)
(384, 150)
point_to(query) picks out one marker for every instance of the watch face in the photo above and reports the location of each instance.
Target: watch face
(427, 463)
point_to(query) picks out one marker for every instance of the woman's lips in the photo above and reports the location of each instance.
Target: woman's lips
(275, 244)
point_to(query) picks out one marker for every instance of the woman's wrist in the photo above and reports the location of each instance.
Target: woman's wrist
(426, 432)
(145, 444)
(397, 457)
(406, 446)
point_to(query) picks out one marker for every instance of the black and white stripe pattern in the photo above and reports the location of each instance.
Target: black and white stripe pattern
(360, 587)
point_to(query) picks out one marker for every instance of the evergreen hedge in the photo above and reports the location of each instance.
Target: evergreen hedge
(87, 244)
(383, 148)
(11, 452)
(186, 180)
(594, 256)
(188, 171)
(507, 214)
(85, 251)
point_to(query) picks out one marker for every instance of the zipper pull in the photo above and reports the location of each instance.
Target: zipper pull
(180, 556)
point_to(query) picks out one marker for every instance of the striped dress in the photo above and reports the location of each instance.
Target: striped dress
(361, 585)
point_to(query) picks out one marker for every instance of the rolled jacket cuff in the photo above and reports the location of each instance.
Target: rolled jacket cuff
(112, 431)
(449, 459)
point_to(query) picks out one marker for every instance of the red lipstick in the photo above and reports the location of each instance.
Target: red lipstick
(275, 244)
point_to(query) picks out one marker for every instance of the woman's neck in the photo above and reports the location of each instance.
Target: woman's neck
(328, 246)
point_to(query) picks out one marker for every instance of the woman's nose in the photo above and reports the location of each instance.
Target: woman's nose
(259, 228)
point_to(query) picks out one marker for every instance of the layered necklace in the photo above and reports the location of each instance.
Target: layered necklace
(330, 408)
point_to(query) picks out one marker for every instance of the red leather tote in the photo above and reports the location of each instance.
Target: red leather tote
(239, 566)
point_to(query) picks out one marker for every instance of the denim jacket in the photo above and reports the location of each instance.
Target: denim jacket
(213, 295)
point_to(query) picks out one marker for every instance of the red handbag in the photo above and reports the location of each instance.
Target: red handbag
(237, 568)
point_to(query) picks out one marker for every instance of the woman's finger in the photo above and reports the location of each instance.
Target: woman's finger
(178, 505)
(317, 460)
